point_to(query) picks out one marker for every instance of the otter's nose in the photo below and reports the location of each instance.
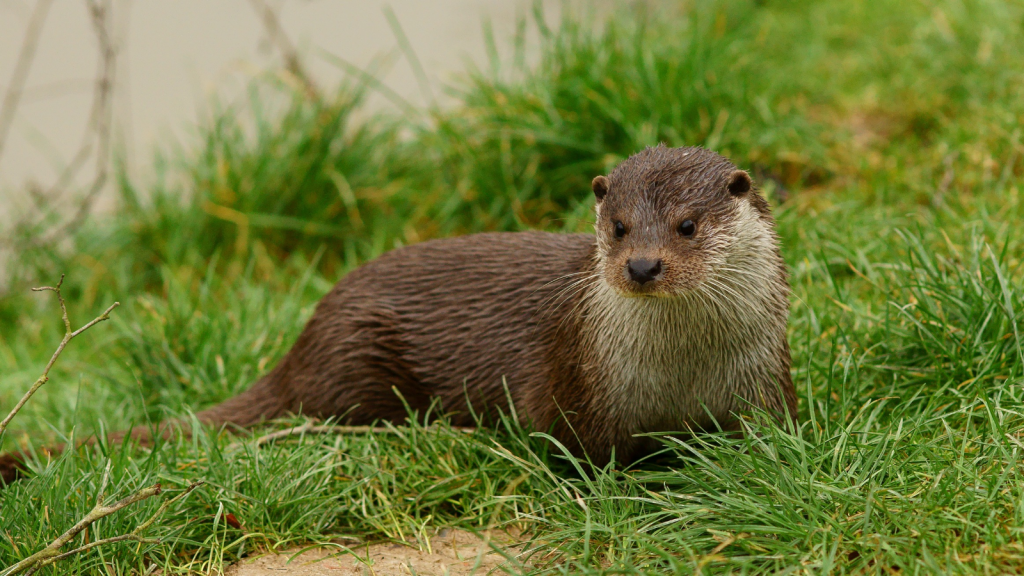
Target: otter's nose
(642, 270)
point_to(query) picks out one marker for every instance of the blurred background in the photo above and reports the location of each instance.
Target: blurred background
(158, 66)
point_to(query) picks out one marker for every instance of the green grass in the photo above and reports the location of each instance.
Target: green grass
(896, 130)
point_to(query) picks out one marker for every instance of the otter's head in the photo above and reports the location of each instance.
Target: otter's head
(669, 220)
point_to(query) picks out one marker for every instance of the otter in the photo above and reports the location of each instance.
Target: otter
(671, 317)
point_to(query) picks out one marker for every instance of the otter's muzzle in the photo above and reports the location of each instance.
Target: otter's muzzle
(643, 270)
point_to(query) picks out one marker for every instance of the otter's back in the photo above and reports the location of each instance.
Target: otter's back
(462, 314)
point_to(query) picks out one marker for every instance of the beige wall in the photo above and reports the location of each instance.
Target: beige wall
(175, 53)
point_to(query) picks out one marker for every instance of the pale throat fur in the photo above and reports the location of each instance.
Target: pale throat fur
(676, 361)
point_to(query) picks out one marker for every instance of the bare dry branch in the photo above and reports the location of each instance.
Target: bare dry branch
(69, 334)
(947, 178)
(21, 69)
(52, 552)
(99, 128)
(278, 36)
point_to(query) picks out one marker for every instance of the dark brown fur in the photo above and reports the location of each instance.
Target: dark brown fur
(457, 320)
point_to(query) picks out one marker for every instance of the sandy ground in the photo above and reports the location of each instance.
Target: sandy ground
(452, 552)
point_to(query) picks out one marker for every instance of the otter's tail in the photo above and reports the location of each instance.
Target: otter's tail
(258, 403)
(262, 401)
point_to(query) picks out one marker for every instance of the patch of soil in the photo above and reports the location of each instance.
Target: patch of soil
(452, 552)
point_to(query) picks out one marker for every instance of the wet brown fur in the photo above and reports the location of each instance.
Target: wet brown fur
(459, 319)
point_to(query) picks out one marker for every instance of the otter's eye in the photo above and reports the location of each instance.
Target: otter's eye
(620, 229)
(687, 228)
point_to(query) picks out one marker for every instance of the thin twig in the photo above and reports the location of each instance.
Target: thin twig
(52, 553)
(69, 334)
(309, 428)
(947, 178)
(99, 127)
(21, 69)
(277, 35)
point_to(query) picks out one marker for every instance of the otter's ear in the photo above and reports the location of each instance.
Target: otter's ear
(600, 186)
(739, 183)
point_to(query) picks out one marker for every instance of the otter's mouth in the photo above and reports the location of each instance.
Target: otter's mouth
(656, 290)
(646, 292)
